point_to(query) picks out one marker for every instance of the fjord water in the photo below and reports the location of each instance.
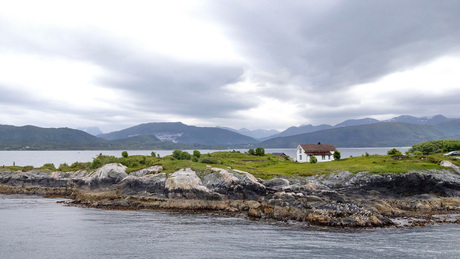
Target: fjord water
(39, 158)
(35, 227)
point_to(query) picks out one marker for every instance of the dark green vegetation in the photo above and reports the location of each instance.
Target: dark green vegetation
(266, 166)
(433, 147)
(373, 135)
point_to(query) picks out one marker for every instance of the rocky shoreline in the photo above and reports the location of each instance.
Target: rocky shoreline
(340, 199)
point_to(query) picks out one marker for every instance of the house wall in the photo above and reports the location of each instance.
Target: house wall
(301, 157)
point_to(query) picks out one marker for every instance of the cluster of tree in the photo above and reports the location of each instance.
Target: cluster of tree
(433, 147)
(260, 151)
(184, 155)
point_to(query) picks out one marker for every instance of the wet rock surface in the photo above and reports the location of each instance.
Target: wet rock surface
(339, 199)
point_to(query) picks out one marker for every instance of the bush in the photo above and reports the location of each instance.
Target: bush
(313, 160)
(124, 154)
(260, 151)
(418, 153)
(196, 153)
(394, 152)
(337, 155)
(27, 168)
(251, 151)
(208, 160)
(153, 154)
(185, 156)
(194, 159)
(49, 166)
(437, 146)
(96, 163)
(181, 155)
(63, 167)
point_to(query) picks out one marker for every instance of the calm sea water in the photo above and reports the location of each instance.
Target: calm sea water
(39, 158)
(35, 227)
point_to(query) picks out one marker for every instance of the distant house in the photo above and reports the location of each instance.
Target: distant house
(279, 154)
(322, 152)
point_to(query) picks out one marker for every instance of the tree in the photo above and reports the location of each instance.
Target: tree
(124, 154)
(394, 152)
(313, 160)
(96, 163)
(176, 153)
(181, 155)
(185, 155)
(260, 151)
(337, 155)
(153, 154)
(196, 153)
(251, 152)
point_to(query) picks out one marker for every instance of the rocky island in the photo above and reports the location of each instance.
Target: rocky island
(339, 199)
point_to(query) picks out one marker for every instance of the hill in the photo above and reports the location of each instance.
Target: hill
(371, 135)
(427, 120)
(257, 134)
(31, 137)
(177, 132)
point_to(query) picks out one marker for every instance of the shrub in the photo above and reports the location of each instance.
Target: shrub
(176, 153)
(208, 160)
(63, 167)
(124, 154)
(96, 163)
(313, 160)
(194, 159)
(260, 151)
(196, 153)
(418, 153)
(27, 168)
(153, 154)
(394, 152)
(49, 166)
(437, 146)
(185, 156)
(251, 151)
(337, 155)
(181, 155)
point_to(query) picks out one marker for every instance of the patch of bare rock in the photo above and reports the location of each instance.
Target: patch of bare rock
(339, 199)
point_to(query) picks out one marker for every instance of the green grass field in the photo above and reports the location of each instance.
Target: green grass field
(265, 167)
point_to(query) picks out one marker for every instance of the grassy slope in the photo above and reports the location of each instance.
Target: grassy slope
(270, 166)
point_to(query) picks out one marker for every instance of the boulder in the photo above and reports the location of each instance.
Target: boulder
(107, 175)
(149, 170)
(186, 184)
(152, 184)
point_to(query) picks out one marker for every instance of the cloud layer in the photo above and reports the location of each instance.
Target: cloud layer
(254, 64)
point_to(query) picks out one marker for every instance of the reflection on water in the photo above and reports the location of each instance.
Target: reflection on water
(34, 227)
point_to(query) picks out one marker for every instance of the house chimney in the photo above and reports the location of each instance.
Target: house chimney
(319, 143)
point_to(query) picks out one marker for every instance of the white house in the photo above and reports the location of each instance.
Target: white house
(322, 152)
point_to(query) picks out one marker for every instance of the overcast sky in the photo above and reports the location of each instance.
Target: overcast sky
(236, 63)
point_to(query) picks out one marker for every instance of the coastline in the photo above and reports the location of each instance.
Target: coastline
(339, 200)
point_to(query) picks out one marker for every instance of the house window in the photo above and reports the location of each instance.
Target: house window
(300, 157)
(323, 156)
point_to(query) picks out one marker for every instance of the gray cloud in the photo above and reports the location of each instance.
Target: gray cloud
(303, 52)
(345, 43)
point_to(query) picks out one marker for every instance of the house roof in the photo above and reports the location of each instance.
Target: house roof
(318, 149)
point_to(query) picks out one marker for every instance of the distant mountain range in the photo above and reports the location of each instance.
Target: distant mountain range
(382, 134)
(400, 131)
(177, 132)
(257, 134)
(433, 120)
